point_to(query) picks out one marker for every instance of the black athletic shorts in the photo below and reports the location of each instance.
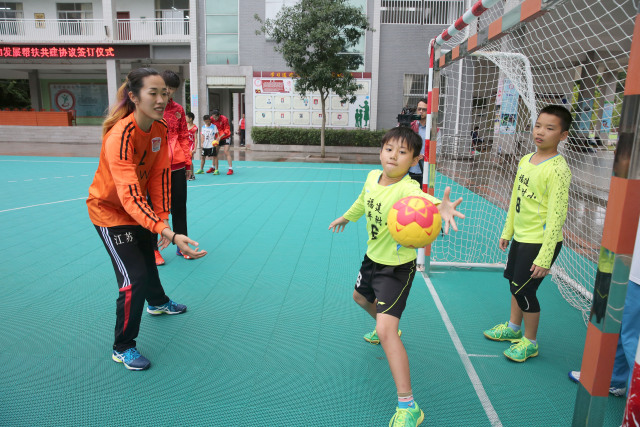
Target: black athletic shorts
(210, 152)
(224, 142)
(520, 260)
(389, 284)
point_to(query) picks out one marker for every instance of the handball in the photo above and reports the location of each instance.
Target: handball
(215, 143)
(414, 222)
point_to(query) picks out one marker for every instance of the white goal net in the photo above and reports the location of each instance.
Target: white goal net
(575, 55)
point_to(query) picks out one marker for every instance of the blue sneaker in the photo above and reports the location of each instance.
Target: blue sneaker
(132, 359)
(170, 307)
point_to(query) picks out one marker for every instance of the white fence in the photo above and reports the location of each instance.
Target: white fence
(52, 30)
(93, 31)
(152, 30)
(421, 12)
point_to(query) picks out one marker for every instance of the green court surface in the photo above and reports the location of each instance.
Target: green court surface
(272, 336)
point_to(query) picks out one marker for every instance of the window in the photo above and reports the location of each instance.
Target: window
(172, 16)
(10, 10)
(415, 88)
(272, 7)
(75, 11)
(359, 48)
(222, 32)
(72, 18)
(11, 18)
(421, 12)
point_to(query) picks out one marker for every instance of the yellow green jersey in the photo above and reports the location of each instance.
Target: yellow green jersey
(539, 203)
(374, 202)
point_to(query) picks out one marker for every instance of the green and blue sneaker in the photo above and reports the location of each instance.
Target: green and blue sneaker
(503, 332)
(372, 337)
(407, 417)
(170, 307)
(522, 350)
(131, 359)
(216, 172)
(199, 171)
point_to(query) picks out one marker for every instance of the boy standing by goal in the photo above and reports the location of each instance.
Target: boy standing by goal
(537, 212)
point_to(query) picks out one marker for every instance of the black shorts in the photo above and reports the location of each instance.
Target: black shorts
(224, 142)
(520, 260)
(210, 152)
(389, 284)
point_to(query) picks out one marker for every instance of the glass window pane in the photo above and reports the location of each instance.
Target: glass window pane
(359, 3)
(222, 43)
(169, 4)
(359, 47)
(222, 7)
(222, 24)
(222, 58)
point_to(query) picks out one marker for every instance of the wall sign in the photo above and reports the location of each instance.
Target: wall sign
(276, 103)
(70, 51)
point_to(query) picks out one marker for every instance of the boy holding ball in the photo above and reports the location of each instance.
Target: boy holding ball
(387, 272)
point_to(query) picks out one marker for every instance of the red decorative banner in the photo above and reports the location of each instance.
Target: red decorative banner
(74, 51)
(291, 74)
(273, 86)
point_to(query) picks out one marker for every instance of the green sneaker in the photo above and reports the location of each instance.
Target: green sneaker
(216, 172)
(503, 332)
(199, 171)
(407, 417)
(522, 350)
(372, 337)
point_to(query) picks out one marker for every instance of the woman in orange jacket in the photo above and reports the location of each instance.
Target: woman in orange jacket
(134, 165)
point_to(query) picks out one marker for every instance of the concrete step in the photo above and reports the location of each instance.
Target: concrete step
(91, 135)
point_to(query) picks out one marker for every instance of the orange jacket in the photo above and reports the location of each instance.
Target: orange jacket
(177, 135)
(133, 164)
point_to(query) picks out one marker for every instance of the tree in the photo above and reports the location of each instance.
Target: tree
(314, 38)
(14, 94)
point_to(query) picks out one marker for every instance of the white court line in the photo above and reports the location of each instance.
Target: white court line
(46, 161)
(243, 167)
(56, 177)
(468, 366)
(42, 204)
(273, 182)
(483, 355)
(191, 186)
(372, 166)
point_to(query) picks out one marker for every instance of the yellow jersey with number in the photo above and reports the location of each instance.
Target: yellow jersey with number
(539, 203)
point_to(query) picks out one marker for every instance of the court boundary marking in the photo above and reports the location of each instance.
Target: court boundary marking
(276, 182)
(47, 161)
(372, 165)
(194, 186)
(464, 357)
(42, 204)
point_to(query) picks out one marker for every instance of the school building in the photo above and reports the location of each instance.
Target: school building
(76, 54)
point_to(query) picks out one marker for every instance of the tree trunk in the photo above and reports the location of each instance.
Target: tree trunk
(324, 122)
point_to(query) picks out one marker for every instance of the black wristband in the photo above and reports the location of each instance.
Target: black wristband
(173, 239)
